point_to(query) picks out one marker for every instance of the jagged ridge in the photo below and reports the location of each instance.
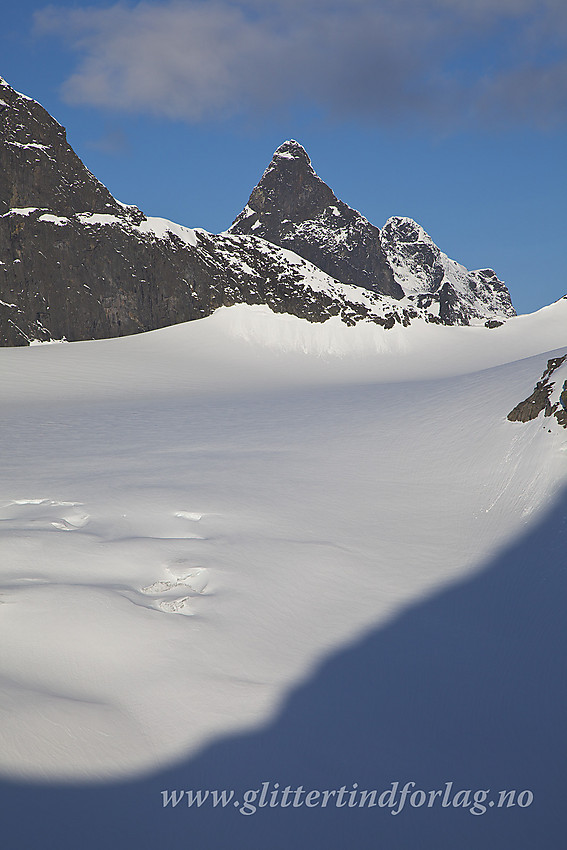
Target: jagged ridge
(75, 263)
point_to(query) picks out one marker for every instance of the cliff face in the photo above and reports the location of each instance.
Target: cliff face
(90, 276)
(77, 264)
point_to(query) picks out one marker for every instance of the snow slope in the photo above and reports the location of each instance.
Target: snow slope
(194, 520)
(251, 347)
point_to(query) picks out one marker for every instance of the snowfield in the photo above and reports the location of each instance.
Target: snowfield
(251, 549)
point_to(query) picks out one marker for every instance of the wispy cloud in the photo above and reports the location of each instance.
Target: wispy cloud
(113, 142)
(448, 62)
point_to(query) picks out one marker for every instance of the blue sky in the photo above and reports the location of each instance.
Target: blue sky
(453, 112)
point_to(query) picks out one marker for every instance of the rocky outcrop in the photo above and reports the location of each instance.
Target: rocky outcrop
(90, 276)
(542, 398)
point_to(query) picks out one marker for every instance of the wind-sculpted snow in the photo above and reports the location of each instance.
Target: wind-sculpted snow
(191, 519)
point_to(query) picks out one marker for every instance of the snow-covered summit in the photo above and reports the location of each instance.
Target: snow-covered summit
(407, 230)
(433, 281)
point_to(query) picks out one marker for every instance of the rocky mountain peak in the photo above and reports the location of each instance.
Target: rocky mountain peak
(290, 150)
(289, 188)
(293, 208)
(406, 230)
(77, 264)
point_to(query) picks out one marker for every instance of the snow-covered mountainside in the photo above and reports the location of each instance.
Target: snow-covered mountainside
(252, 549)
(432, 280)
(77, 264)
(291, 206)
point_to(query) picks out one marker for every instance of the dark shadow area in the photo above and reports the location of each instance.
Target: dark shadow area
(468, 686)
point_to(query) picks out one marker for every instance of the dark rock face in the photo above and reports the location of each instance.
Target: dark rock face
(38, 168)
(78, 277)
(75, 280)
(561, 412)
(292, 207)
(540, 399)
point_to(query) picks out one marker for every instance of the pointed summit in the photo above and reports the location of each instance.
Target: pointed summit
(291, 150)
(289, 188)
(293, 208)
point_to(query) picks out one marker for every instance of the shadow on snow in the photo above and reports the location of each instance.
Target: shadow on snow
(468, 686)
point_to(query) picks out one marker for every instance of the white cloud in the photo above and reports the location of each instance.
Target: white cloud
(439, 60)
